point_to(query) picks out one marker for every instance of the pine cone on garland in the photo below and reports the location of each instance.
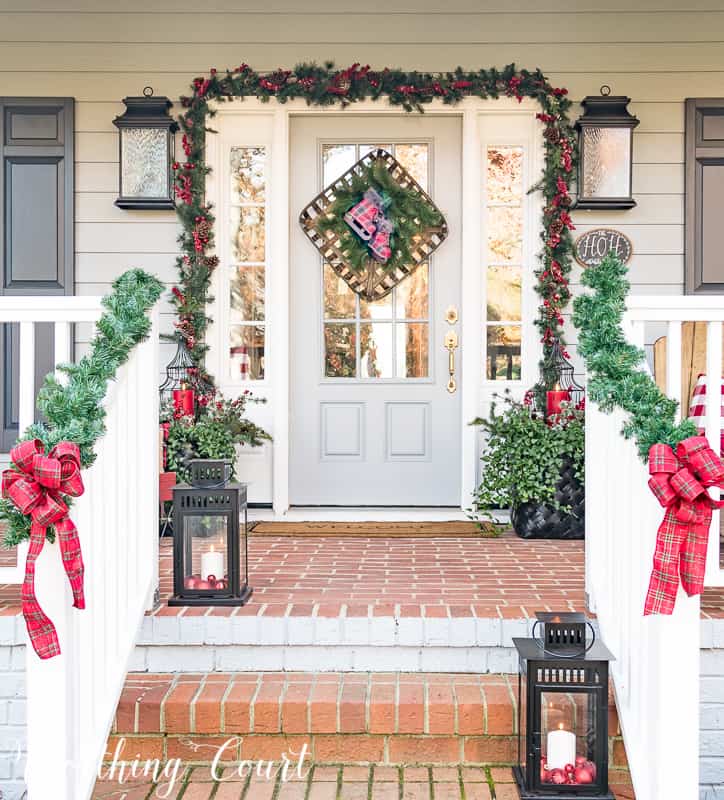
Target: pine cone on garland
(204, 228)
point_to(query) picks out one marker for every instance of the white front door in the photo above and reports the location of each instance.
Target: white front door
(371, 421)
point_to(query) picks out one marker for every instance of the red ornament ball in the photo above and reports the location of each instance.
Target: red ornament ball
(544, 774)
(568, 768)
(203, 585)
(557, 776)
(580, 761)
(583, 775)
(190, 582)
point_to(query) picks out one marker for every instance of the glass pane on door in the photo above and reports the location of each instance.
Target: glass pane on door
(393, 333)
(503, 256)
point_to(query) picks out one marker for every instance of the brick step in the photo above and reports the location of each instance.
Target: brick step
(381, 718)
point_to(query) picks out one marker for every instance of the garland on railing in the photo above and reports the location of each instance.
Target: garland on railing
(73, 412)
(615, 374)
(412, 91)
(681, 463)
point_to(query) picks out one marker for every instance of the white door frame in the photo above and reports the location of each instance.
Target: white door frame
(276, 385)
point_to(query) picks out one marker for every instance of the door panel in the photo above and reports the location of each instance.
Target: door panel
(36, 234)
(372, 422)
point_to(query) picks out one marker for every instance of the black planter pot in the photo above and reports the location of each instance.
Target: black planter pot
(541, 521)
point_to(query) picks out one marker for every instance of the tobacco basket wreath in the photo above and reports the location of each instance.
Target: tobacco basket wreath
(417, 227)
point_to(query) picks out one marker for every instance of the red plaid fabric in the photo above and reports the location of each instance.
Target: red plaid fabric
(380, 244)
(679, 481)
(362, 217)
(35, 485)
(697, 407)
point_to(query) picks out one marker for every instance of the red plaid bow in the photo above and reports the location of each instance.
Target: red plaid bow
(680, 483)
(35, 486)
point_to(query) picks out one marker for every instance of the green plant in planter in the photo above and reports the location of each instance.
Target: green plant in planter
(218, 427)
(522, 459)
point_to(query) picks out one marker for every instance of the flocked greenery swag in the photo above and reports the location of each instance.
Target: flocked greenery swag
(408, 212)
(326, 86)
(74, 411)
(616, 374)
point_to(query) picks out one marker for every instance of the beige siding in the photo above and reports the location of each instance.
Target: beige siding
(658, 54)
(656, 51)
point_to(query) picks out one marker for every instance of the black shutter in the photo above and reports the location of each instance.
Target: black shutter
(704, 246)
(36, 228)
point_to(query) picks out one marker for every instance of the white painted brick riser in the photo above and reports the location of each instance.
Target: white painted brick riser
(12, 720)
(334, 632)
(711, 762)
(320, 658)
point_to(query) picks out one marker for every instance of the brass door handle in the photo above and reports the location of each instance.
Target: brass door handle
(451, 344)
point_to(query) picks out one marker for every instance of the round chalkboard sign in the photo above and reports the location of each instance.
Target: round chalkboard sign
(593, 246)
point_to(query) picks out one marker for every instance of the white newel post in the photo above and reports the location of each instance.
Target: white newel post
(52, 691)
(675, 681)
(51, 765)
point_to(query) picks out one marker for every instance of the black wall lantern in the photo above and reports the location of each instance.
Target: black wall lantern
(605, 145)
(146, 141)
(210, 564)
(562, 711)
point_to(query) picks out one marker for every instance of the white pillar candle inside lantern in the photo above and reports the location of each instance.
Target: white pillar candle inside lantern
(212, 563)
(561, 748)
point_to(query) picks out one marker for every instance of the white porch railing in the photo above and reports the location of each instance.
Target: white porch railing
(656, 672)
(72, 698)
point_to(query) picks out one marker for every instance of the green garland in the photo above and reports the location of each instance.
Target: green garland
(326, 86)
(74, 412)
(408, 213)
(616, 378)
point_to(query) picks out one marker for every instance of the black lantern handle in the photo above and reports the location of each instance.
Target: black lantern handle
(557, 653)
(605, 90)
(148, 91)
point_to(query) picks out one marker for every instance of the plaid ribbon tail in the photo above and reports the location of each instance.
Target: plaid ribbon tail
(664, 581)
(72, 558)
(41, 631)
(692, 558)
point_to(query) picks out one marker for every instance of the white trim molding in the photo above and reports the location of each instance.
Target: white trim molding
(251, 122)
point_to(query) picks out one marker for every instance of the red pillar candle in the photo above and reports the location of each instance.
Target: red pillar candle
(183, 400)
(554, 398)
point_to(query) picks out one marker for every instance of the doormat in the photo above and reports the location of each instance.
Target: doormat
(389, 530)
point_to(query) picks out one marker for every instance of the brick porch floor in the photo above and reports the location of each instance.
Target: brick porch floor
(508, 578)
(342, 783)
(355, 576)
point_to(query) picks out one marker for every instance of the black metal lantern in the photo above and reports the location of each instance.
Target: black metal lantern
(182, 372)
(562, 711)
(563, 370)
(210, 563)
(605, 152)
(146, 141)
